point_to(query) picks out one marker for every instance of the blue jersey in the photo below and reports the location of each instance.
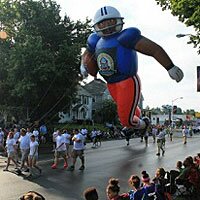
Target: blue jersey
(115, 54)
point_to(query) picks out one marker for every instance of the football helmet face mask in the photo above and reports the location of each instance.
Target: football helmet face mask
(107, 21)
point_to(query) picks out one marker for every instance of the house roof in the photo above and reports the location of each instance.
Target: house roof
(96, 87)
(83, 91)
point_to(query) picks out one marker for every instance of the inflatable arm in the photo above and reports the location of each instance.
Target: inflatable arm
(150, 48)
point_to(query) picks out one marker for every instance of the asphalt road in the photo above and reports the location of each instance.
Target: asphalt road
(112, 159)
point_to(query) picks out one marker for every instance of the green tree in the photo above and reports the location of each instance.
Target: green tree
(40, 63)
(190, 112)
(155, 111)
(188, 12)
(108, 112)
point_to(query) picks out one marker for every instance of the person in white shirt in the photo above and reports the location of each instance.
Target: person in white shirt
(54, 135)
(78, 150)
(99, 135)
(33, 155)
(60, 151)
(185, 132)
(16, 137)
(24, 145)
(28, 132)
(84, 132)
(67, 138)
(161, 141)
(94, 138)
(10, 147)
(36, 134)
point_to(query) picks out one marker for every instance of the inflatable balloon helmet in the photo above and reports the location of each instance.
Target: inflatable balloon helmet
(107, 21)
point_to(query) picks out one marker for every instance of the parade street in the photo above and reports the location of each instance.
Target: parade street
(112, 159)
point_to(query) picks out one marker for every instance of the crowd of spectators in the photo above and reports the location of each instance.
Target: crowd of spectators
(180, 183)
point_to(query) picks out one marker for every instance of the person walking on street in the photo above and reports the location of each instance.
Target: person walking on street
(161, 141)
(36, 133)
(67, 138)
(60, 151)
(33, 155)
(78, 150)
(170, 133)
(54, 135)
(10, 147)
(154, 133)
(24, 144)
(17, 150)
(185, 132)
(146, 136)
(84, 132)
(94, 138)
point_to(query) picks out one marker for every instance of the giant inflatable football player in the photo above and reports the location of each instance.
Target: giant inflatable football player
(111, 51)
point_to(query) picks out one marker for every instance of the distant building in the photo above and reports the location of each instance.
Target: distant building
(162, 118)
(81, 110)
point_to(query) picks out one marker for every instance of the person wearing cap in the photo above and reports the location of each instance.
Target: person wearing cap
(33, 155)
(115, 51)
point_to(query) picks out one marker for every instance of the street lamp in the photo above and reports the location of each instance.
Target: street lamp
(172, 114)
(183, 35)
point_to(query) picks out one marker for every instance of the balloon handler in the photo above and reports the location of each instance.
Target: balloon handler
(111, 51)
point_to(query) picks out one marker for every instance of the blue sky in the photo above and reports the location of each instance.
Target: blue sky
(161, 27)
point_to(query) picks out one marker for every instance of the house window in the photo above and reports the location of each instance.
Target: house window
(94, 99)
(85, 100)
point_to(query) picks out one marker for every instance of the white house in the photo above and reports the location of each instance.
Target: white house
(81, 110)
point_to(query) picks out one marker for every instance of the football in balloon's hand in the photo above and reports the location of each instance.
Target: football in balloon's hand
(90, 62)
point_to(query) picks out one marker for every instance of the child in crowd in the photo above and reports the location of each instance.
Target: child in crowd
(32, 195)
(179, 166)
(160, 181)
(147, 185)
(90, 194)
(113, 190)
(136, 193)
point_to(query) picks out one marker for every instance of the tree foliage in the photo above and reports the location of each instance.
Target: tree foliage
(188, 12)
(39, 64)
(108, 112)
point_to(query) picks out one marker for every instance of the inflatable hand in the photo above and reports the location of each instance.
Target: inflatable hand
(83, 70)
(176, 73)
